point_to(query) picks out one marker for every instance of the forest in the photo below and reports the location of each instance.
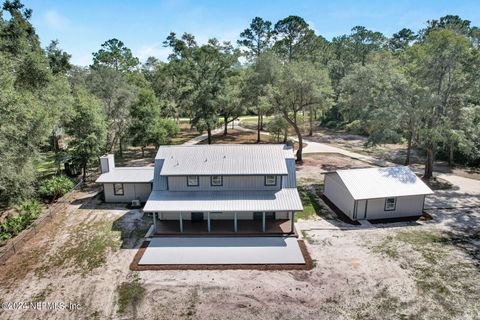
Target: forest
(421, 88)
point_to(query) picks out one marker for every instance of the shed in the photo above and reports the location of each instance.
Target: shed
(376, 193)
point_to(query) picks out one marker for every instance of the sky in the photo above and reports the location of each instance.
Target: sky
(82, 26)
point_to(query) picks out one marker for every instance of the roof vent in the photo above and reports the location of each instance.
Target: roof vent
(206, 160)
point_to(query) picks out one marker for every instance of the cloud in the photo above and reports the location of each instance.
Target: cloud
(55, 20)
(154, 50)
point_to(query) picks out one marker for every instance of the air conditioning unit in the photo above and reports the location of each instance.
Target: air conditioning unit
(136, 204)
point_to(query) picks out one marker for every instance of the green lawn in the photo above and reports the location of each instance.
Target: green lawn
(46, 165)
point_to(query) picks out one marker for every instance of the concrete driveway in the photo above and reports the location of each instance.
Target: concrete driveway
(222, 250)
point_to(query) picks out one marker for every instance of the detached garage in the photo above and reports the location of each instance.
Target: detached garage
(376, 193)
(124, 184)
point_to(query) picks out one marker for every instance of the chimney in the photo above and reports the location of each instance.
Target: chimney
(107, 163)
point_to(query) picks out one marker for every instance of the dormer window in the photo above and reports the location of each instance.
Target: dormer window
(216, 181)
(192, 181)
(270, 180)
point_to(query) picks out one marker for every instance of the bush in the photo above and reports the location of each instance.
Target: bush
(278, 127)
(28, 211)
(55, 187)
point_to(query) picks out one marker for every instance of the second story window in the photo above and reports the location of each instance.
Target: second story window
(192, 181)
(216, 181)
(270, 180)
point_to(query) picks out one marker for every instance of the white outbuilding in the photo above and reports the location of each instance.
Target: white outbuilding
(376, 193)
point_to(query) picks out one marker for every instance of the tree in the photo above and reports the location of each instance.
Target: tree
(257, 38)
(114, 54)
(444, 67)
(364, 42)
(87, 130)
(298, 86)
(374, 98)
(147, 126)
(32, 103)
(402, 39)
(202, 72)
(117, 94)
(58, 60)
(292, 34)
(230, 104)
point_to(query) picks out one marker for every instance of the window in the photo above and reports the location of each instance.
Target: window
(118, 189)
(270, 180)
(216, 181)
(192, 181)
(390, 204)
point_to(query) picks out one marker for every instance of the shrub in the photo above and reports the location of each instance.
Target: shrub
(28, 211)
(55, 187)
(277, 127)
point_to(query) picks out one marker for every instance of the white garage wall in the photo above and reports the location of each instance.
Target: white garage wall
(131, 191)
(336, 192)
(406, 207)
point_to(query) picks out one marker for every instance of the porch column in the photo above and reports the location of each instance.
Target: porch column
(154, 221)
(208, 221)
(263, 221)
(235, 226)
(293, 221)
(181, 222)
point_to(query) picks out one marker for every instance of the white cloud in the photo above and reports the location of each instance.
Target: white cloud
(55, 20)
(155, 50)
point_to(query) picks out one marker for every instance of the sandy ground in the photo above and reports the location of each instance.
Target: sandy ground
(360, 272)
(409, 270)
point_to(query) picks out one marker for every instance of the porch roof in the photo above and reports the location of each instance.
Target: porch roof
(286, 199)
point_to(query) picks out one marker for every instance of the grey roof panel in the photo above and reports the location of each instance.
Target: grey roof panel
(286, 199)
(225, 159)
(127, 175)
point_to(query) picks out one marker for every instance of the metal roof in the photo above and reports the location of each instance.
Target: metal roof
(127, 175)
(225, 159)
(286, 199)
(373, 183)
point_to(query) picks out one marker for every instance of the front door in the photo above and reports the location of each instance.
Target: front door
(197, 216)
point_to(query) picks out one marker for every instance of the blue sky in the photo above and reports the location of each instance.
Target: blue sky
(82, 26)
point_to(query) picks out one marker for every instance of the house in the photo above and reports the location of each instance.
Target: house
(124, 184)
(376, 193)
(212, 185)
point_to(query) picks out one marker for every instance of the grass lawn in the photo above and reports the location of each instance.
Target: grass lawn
(46, 165)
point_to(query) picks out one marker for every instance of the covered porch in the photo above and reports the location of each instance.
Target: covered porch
(261, 223)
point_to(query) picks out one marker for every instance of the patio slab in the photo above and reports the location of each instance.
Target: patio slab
(222, 251)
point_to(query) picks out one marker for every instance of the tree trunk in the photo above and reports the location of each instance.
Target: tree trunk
(450, 154)
(261, 122)
(143, 152)
(429, 163)
(258, 127)
(209, 133)
(225, 129)
(84, 172)
(300, 143)
(409, 148)
(310, 133)
(120, 147)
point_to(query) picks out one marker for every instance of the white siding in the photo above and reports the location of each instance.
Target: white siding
(131, 191)
(405, 207)
(179, 183)
(361, 204)
(336, 192)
